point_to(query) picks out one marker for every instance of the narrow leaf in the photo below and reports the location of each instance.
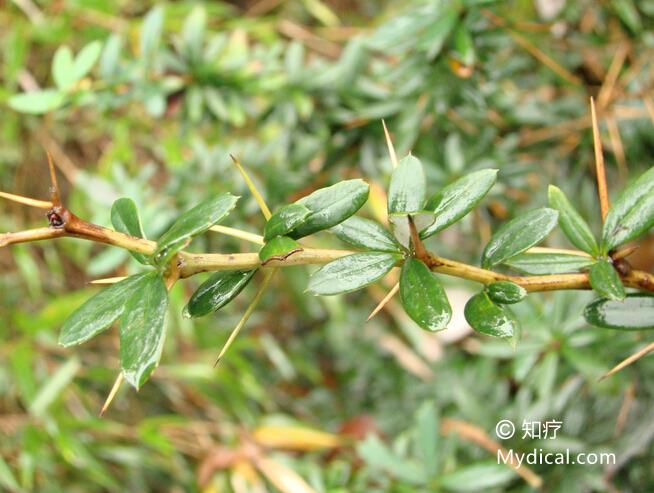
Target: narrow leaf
(464, 46)
(635, 312)
(632, 214)
(37, 102)
(86, 58)
(489, 318)
(605, 280)
(423, 296)
(284, 220)
(279, 248)
(332, 205)
(125, 218)
(217, 291)
(99, 312)
(548, 263)
(406, 192)
(506, 292)
(484, 476)
(142, 329)
(351, 272)
(150, 35)
(457, 199)
(63, 73)
(571, 222)
(366, 233)
(193, 222)
(518, 235)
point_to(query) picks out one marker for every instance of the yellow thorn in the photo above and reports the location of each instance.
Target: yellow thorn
(253, 189)
(599, 163)
(112, 393)
(237, 233)
(54, 186)
(383, 302)
(389, 143)
(41, 204)
(246, 315)
(631, 359)
(107, 280)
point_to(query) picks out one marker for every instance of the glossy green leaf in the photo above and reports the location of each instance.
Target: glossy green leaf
(221, 288)
(518, 235)
(571, 222)
(457, 199)
(423, 296)
(37, 102)
(85, 59)
(125, 218)
(506, 292)
(99, 312)
(605, 280)
(366, 233)
(284, 220)
(406, 192)
(193, 222)
(63, 72)
(142, 329)
(489, 318)
(632, 214)
(635, 312)
(330, 206)
(279, 248)
(351, 272)
(548, 263)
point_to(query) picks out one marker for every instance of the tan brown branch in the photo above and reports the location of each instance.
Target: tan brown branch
(190, 264)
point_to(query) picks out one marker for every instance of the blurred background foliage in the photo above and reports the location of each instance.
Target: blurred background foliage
(297, 90)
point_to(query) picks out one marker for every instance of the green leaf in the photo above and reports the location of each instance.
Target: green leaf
(284, 220)
(330, 206)
(192, 223)
(142, 329)
(366, 233)
(423, 296)
(457, 199)
(86, 58)
(605, 280)
(518, 235)
(63, 72)
(151, 32)
(464, 47)
(632, 214)
(437, 32)
(351, 272)
(478, 477)
(99, 312)
(37, 102)
(221, 288)
(506, 292)
(548, 263)
(193, 32)
(635, 312)
(489, 318)
(426, 436)
(406, 192)
(125, 218)
(279, 248)
(571, 222)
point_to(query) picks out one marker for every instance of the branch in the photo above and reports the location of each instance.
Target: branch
(190, 264)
